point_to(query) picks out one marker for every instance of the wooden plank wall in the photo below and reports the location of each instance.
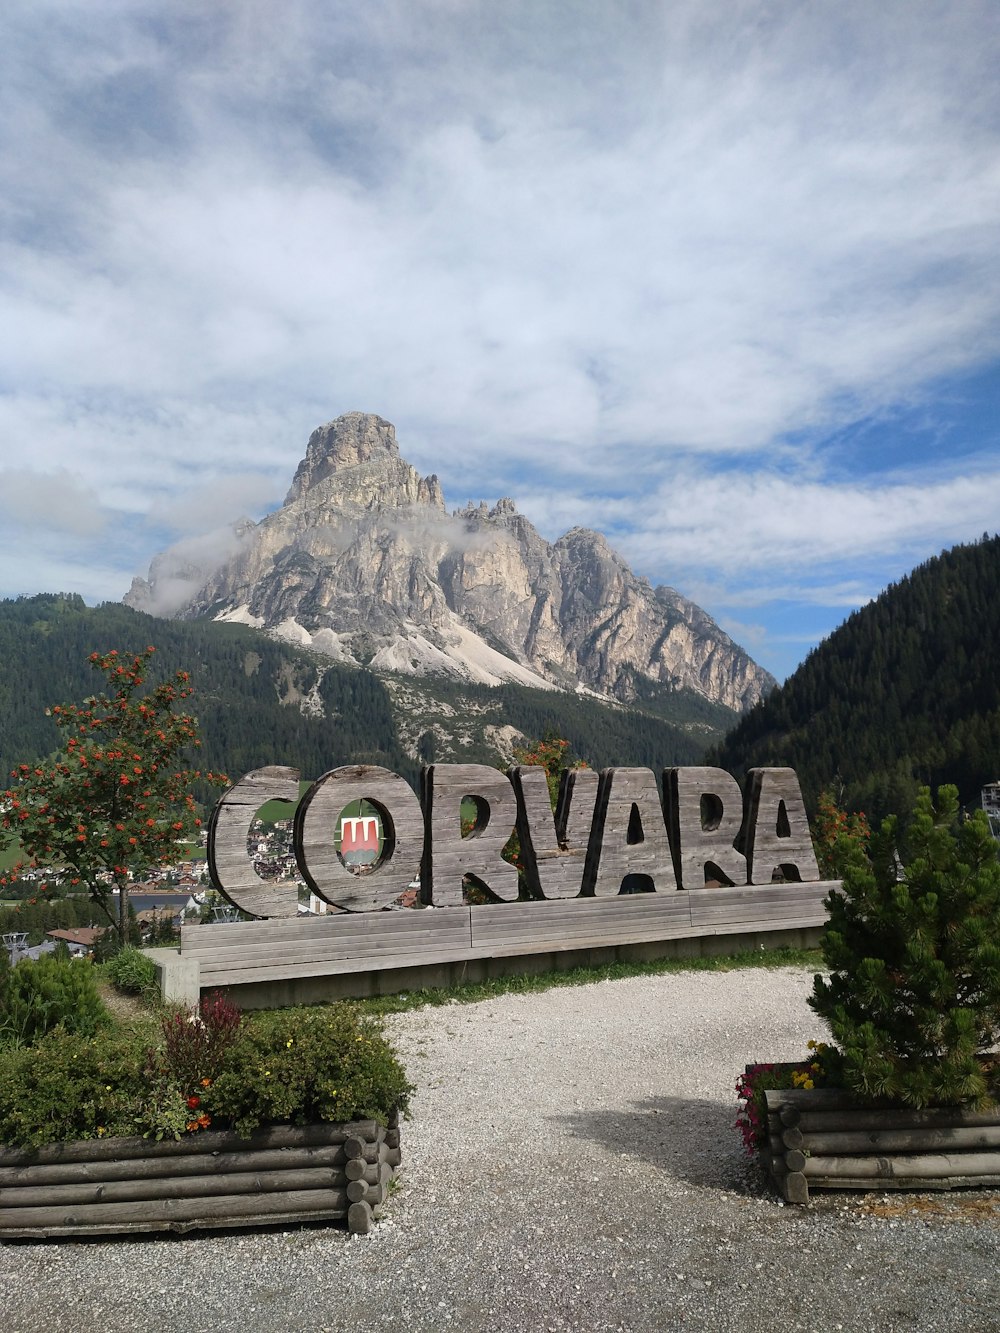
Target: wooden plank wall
(255, 951)
(312, 946)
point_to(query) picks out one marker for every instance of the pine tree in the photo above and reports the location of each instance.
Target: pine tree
(913, 997)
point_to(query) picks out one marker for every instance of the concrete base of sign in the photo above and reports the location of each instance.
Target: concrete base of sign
(179, 977)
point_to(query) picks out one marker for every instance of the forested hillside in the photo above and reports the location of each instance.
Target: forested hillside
(260, 701)
(905, 692)
(449, 721)
(247, 688)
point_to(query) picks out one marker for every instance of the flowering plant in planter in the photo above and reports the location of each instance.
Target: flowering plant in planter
(216, 1068)
(818, 1071)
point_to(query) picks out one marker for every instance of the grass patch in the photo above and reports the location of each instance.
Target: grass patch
(474, 992)
(10, 856)
(272, 812)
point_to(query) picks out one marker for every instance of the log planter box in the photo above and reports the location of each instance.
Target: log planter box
(282, 1174)
(824, 1138)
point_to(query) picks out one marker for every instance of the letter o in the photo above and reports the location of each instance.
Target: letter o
(402, 837)
(229, 867)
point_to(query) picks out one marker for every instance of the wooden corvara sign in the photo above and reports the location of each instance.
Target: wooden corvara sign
(609, 829)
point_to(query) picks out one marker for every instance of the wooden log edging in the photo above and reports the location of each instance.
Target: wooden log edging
(281, 1174)
(825, 1138)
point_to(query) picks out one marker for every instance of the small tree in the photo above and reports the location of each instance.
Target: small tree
(835, 833)
(913, 997)
(552, 753)
(117, 798)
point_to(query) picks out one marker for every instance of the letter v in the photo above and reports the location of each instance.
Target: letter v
(554, 850)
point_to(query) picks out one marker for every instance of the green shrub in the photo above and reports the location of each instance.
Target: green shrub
(69, 1087)
(132, 972)
(299, 1066)
(52, 992)
(913, 996)
(304, 1066)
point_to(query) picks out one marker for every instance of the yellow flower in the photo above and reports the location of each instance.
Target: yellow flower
(101, 1130)
(289, 1042)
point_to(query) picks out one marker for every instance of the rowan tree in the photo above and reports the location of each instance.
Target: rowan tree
(836, 833)
(114, 801)
(554, 754)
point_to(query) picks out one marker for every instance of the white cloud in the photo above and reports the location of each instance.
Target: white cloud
(177, 573)
(697, 237)
(197, 509)
(760, 522)
(57, 502)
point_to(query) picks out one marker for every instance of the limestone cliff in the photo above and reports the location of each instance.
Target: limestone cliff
(363, 563)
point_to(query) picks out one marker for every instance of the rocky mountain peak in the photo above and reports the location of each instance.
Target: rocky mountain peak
(585, 539)
(363, 563)
(350, 440)
(353, 463)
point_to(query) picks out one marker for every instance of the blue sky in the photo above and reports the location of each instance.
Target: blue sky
(719, 278)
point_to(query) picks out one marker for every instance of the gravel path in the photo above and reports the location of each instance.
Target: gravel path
(570, 1165)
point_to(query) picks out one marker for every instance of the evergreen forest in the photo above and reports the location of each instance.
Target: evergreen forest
(603, 734)
(248, 688)
(260, 701)
(905, 693)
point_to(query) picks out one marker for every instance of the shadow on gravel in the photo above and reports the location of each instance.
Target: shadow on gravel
(689, 1139)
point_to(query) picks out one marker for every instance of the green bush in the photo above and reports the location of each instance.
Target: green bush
(131, 972)
(303, 1066)
(70, 1087)
(913, 996)
(298, 1066)
(38, 996)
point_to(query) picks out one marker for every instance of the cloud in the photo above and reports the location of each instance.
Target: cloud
(769, 522)
(759, 522)
(760, 248)
(180, 571)
(196, 509)
(640, 268)
(57, 502)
